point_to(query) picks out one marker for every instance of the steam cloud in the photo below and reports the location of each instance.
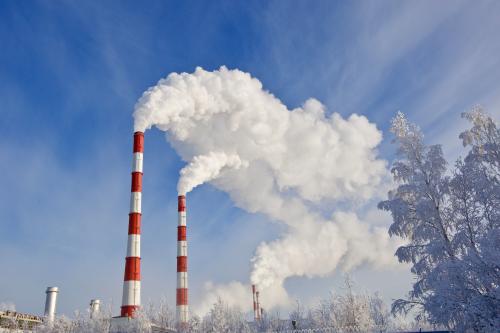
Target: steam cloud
(286, 164)
(204, 168)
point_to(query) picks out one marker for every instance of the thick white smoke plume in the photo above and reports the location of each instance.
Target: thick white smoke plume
(286, 164)
(204, 168)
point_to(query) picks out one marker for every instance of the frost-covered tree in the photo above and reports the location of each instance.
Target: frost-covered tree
(160, 314)
(297, 317)
(347, 311)
(272, 322)
(224, 319)
(379, 313)
(82, 323)
(352, 311)
(195, 324)
(450, 219)
(61, 324)
(218, 318)
(99, 323)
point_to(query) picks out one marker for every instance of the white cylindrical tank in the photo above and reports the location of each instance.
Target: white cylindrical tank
(95, 304)
(50, 303)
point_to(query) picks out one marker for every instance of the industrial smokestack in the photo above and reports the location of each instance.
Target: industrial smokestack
(50, 303)
(258, 304)
(131, 299)
(95, 305)
(255, 308)
(182, 277)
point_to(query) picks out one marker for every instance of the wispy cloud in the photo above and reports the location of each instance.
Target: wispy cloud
(430, 60)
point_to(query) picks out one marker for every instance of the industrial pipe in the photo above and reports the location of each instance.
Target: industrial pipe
(50, 303)
(95, 305)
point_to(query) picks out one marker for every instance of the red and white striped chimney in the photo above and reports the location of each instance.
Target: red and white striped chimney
(255, 308)
(258, 304)
(182, 277)
(131, 299)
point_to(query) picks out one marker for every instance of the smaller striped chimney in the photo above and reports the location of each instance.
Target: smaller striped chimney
(258, 304)
(255, 293)
(182, 275)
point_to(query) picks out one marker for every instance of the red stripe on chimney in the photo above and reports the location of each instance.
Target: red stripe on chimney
(182, 264)
(138, 142)
(136, 182)
(181, 233)
(181, 203)
(132, 269)
(182, 296)
(134, 223)
(128, 310)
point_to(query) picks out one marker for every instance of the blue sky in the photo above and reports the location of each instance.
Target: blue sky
(71, 72)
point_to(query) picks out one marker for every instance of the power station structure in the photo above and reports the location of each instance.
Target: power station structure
(131, 299)
(10, 321)
(256, 304)
(13, 321)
